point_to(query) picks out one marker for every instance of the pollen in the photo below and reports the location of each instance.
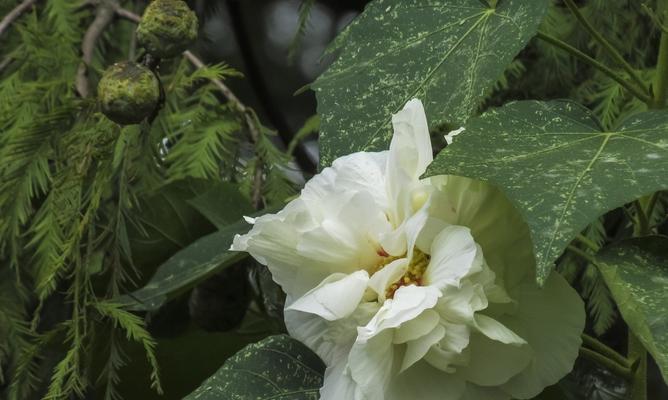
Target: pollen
(413, 275)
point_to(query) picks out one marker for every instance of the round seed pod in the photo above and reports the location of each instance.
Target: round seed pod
(128, 92)
(167, 28)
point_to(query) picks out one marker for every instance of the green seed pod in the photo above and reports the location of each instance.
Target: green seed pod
(128, 92)
(167, 28)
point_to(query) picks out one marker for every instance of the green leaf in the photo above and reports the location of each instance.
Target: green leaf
(448, 53)
(190, 266)
(558, 167)
(278, 367)
(636, 271)
(186, 268)
(222, 204)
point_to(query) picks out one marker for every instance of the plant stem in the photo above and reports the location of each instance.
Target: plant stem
(588, 242)
(104, 13)
(661, 79)
(609, 364)
(582, 254)
(603, 349)
(606, 45)
(642, 219)
(638, 353)
(14, 14)
(596, 64)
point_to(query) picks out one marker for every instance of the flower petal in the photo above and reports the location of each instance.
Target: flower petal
(493, 363)
(494, 222)
(553, 318)
(410, 149)
(418, 348)
(454, 255)
(417, 327)
(370, 364)
(408, 303)
(387, 275)
(449, 352)
(410, 154)
(336, 297)
(362, 171)
(495, 330)
(424, 382)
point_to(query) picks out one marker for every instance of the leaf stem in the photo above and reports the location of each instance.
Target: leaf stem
(638, 353)
(605, 350)
(605, 44)
(582, 253)
(642, 219)
(606, 362)
(596, 64)
(588, 242)
(661, 79)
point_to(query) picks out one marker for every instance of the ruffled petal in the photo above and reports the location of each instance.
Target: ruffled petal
(449, 352)
(417, 327)
(408, 303)
(371, 363)
(382, 279)
(475, 392)
(336, 297)
(418, 348)
(552, 319)
(492, 363)
(453, 257)
(356, 172)
(494, 222)
(495, 330)
(424, 382)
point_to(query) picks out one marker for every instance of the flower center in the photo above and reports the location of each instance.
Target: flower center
(413, 275)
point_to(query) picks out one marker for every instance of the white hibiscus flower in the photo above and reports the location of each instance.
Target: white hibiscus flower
(414, 288)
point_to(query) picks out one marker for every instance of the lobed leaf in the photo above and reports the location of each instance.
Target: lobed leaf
(635, 271)
(448, 53)
(558, 167)
(277, 367)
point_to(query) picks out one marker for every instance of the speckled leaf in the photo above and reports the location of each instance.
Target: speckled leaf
(278, 367)
(186, 268)
(558, 167)
(636, 271)
(448, 53)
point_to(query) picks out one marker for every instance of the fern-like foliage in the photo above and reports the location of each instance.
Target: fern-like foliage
(70, 184)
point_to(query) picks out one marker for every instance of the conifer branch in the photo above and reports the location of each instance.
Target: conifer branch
(104, 13)
(250, 119)
(15, 14)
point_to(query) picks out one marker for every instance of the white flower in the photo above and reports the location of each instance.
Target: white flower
(414, 288)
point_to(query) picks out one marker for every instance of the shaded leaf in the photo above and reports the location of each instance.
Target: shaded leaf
(636, 271)
(186, 268)
(222, 204)
(448, 53)
(277, 367)
(558, 167)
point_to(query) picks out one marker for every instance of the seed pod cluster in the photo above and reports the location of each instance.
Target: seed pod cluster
(128, 92)
(167, 28)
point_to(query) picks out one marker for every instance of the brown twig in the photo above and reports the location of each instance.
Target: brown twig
(14, 14)
(104, 13)
(250, 118)
(5, 62)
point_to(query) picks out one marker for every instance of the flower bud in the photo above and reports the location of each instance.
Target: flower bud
(167, 28)
(128, 92)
